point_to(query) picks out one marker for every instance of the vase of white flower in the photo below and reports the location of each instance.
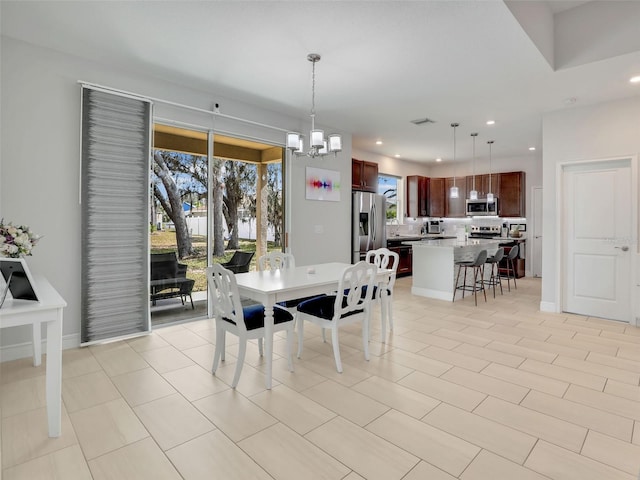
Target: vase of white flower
(16, 241)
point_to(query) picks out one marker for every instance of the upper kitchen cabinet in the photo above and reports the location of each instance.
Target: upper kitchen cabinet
(436, 197)
(417, 196)
(456, 207)
(482, 184)
(511, 196)
(364, 176)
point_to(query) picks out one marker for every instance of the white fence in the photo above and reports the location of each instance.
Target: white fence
(246, 230)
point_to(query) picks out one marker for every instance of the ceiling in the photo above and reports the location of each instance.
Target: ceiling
(384, 63)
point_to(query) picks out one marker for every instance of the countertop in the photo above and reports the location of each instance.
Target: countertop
(455, 243)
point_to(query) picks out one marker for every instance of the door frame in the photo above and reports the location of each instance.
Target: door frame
(561, 232)
(533, 256)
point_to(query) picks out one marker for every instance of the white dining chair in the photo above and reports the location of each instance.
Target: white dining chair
(384, 259)
(350, 304)
(276, 261)
(244, 322)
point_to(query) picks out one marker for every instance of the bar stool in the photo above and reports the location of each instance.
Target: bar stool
(478, 268)
(511, 269)
(494, 279)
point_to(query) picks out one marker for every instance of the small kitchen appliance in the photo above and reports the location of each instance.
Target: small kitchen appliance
(435, 226)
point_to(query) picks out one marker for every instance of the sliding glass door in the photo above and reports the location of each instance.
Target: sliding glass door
(207, 205)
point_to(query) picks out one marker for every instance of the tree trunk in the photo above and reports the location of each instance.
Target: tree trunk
(218, 238)
(173, 207)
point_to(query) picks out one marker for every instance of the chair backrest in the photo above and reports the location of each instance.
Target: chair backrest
(241, 258)
(480, 259)
(499, 255)
(355, 288)
(513, 253)
(276, 261)
(224, 295)
(383, 258)
(163, 265)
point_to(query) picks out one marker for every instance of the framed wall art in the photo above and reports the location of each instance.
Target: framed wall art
(322, 184)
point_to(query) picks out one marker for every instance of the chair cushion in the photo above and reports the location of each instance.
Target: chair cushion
(295, 302)
(254, 316)
(323, 307)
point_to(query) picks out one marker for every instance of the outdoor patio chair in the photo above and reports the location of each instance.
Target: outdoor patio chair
(240, 262)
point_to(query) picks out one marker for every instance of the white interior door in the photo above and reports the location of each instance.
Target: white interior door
(600, 212)
(536, 233)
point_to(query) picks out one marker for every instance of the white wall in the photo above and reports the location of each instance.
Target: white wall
(40, 161)
(602, 131)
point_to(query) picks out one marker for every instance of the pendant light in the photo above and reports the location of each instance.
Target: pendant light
(490, 198)
(473, 194)
(454, 192)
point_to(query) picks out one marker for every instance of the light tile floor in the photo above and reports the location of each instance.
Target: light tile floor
(498, 391)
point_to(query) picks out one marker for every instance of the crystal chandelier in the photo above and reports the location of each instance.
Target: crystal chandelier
(319, 145)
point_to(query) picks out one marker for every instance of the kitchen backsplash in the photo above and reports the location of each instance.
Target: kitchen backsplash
(413, 226)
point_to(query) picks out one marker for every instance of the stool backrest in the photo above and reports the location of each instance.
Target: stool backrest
(480, 259)
(513, 253)
(499, 255)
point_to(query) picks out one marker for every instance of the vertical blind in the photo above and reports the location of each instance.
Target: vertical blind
(116, 147)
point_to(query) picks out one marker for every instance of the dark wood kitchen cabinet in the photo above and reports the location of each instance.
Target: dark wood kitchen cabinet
(436, 197)
(417, 196)
(511, 197)
(364, 176)
(482, 184)
(405, 259)
(455, 207)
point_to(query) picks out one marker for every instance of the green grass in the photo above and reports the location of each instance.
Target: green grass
(165, 241)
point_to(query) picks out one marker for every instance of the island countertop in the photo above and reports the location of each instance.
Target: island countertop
(455, 243)
(434, 263)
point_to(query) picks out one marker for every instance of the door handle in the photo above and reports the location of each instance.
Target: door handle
(538, 236)
(623, 248)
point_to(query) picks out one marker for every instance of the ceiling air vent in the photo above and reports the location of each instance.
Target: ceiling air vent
(421, 121)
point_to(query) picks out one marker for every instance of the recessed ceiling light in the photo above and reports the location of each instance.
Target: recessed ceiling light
(491, 122)
(532, 148)
(635, 79)
(438, 159)
(378, 142)
(397, 155)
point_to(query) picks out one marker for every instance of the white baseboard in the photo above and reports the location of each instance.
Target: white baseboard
(549, 307)
(25, 350)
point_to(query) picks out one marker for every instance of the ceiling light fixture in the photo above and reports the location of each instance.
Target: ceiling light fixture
(491, 122)
(378, 142)
(635, 79)
(438, 159)
(473, 194)
(532, 148)
(397, 155)
(454, 192)
(319, 146)
(490, 198)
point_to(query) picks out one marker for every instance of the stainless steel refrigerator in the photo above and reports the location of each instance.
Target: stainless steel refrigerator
(368, 224)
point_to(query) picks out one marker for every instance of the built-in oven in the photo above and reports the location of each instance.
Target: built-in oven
(482, 207)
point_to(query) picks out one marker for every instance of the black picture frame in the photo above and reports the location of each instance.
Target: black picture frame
(17, 279)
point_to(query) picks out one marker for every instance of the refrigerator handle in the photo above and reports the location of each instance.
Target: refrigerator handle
(374, 224)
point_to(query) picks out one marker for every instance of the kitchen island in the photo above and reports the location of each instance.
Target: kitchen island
(434, 263)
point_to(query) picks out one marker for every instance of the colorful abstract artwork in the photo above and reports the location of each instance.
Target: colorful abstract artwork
(322, 184)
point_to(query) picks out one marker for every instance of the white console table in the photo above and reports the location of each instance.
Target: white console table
(48, 310)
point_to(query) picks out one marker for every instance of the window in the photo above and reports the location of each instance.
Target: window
(388, 186)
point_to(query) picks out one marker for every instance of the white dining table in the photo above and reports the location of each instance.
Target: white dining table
(272, 286)
(47, 310)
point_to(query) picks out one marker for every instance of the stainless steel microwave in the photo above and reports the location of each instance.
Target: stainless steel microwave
(482, 207)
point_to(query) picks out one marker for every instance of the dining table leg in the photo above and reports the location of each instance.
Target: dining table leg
(268, 342)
